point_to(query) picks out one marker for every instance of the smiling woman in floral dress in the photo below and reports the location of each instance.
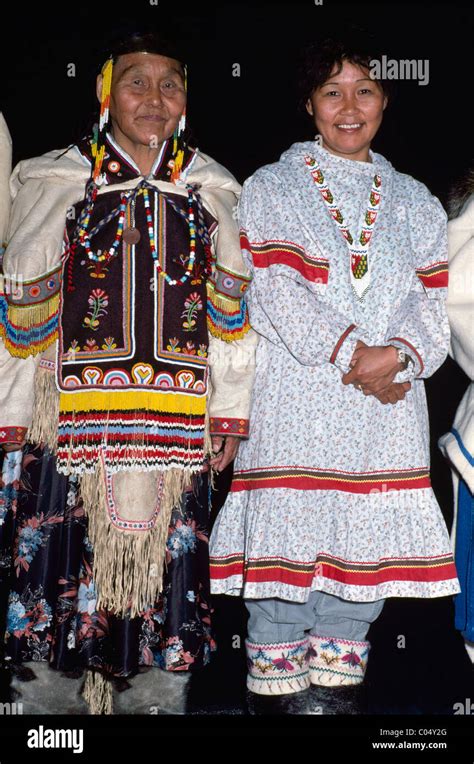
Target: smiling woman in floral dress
(331, 509)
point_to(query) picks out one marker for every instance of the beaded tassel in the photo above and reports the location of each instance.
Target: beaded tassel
(179, 154)
(99, 149)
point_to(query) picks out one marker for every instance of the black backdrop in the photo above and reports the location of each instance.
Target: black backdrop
(245, 122)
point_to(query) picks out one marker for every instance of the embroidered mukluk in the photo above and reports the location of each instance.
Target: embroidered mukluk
(332, 491)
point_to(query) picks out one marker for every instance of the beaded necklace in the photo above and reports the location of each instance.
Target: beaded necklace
(358, 249)
(85, 240)
(106, 256)
(192, 237)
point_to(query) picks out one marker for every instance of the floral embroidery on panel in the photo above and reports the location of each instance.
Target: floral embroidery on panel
(98, 301)
(192, 305)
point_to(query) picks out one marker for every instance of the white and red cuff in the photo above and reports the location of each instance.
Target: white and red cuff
(344, 348)
(12, 435)
(223, 426)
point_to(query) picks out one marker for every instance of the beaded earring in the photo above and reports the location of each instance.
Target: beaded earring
(98, 145)
(178, 154)
(98, 152)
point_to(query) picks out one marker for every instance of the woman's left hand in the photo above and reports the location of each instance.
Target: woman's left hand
(225, 450)
(373, 368)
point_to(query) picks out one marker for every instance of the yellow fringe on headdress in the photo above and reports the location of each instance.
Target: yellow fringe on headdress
(98, 151)
(128, 565)
(178, 165)
(178, 155)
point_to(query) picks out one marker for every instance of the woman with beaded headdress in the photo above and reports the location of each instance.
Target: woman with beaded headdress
(127, 360)
(331, 508)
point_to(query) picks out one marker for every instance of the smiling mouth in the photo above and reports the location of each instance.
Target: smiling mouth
(349, 126)
(152, 118)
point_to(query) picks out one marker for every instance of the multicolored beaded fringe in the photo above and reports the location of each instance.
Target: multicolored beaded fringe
(334, 661)
(29, 329)
(227, 315)
(277, 668)
(131, 429)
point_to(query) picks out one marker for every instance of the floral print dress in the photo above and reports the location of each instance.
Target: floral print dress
(47, 580)
(332, 491)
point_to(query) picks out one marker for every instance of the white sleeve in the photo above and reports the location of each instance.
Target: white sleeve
(461, 288)
(420, 324)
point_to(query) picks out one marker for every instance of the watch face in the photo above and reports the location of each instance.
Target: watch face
(402, 358)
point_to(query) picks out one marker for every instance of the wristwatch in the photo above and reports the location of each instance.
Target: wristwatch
(403, 358)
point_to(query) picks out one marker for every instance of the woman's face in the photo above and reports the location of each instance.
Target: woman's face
(347, 110)
(147, 99)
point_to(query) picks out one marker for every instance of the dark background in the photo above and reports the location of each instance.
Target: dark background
(245, 122)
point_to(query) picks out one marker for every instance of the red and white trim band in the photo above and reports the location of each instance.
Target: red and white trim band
(295, 573)
(281, 252)
(340, 342)
(228, 426)
(434, 275)
(314, 479)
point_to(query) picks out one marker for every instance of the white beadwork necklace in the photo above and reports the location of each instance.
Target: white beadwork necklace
(358, 247)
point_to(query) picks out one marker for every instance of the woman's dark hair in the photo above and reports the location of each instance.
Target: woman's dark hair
(459, 193)
(144, 42)
(319, 59)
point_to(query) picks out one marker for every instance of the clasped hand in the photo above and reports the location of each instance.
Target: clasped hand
(224, 451)
(373, 370)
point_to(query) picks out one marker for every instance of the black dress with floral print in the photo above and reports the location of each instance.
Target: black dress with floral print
(48, 591)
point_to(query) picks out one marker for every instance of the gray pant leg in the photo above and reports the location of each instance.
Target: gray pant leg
(334, 617)
(275, 620)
